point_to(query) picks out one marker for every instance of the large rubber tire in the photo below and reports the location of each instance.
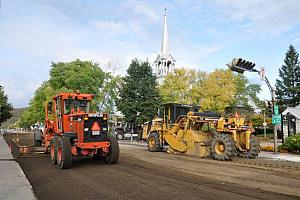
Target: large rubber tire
(153, 142)
(253, 151)
(222, 147)
(114, 151)
(53, 150)
(64, 153)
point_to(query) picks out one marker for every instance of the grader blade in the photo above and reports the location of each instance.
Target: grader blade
(175, 144)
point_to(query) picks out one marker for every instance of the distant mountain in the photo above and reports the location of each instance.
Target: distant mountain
(16, 116)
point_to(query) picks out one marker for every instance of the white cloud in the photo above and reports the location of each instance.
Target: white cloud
(271, 17)
(35, 37)
(110, 27)
(144, 9)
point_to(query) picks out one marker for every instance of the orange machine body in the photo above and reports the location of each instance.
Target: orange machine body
(69, 115)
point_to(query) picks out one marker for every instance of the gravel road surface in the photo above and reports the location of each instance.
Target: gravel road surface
(144, 175)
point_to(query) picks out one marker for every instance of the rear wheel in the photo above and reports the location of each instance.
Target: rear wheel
(113, 154)
(153, 142)
(64, 154)
(222, 147)
(253, 151)
(53, 150)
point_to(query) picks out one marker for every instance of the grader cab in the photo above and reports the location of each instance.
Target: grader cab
(204, 134)
(71, 129)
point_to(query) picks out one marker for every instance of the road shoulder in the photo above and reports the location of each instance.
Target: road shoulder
(13, 182)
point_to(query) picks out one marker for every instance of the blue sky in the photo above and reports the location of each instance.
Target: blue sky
(204, 35)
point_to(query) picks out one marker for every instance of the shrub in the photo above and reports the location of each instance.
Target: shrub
(291, 144)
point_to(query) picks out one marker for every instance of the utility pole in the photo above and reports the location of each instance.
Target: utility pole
(265, 124)
(273, 103)
(240, 65)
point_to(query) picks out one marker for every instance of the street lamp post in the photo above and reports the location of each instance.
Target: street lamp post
(265, 124)
(240, 65)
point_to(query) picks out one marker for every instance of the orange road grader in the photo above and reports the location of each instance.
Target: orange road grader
(201, 134)
(71, 129)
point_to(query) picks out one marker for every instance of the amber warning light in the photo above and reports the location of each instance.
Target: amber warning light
(104, 116)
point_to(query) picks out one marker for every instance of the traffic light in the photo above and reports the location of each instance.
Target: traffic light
(240, 65)
(269, 105)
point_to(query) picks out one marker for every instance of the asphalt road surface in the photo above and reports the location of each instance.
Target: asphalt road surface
(140, 174)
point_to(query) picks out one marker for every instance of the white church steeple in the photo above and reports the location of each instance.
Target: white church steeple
(165, 49)
(164, 62)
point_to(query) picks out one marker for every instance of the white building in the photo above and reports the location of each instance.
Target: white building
(164, 62)
(291, 121)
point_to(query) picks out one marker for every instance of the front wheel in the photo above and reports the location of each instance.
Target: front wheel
(153, 142)
(222, 147)
(64, 153)
(113, 154)
(120, 136)
(253, 151)
(53, 150)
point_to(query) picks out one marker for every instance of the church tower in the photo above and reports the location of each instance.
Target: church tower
(164, 62)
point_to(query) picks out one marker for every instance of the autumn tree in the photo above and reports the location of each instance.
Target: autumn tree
(217, 91)
(5, 107)
(181, 85)
(288, 84)
(138, 97)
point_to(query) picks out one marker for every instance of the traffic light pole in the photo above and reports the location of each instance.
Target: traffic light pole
(273, 100)
(240, 65)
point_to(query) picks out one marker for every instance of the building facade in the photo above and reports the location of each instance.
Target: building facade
(291, 121)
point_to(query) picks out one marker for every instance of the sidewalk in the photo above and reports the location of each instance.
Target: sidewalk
(280, 156)
(13, 183)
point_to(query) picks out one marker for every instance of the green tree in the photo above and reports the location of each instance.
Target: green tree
(139, 97)
(109, 93)
(288, 84)
(246, 93)
(36, 110)
(5, 107)
(85, 76)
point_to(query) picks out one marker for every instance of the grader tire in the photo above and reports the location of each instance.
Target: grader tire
(222, 147)
(113, 154)
(253, 151)
(53, 150)
(64, 153)
(153, 142)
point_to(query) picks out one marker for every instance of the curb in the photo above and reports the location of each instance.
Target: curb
(13, 182)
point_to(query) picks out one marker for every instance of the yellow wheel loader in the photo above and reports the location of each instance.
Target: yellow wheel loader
(239, 127)
(201, 134)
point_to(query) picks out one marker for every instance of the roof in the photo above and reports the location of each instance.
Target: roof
(293, 111)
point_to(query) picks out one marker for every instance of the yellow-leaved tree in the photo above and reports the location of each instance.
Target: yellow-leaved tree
(217, 91)
(179, 86)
